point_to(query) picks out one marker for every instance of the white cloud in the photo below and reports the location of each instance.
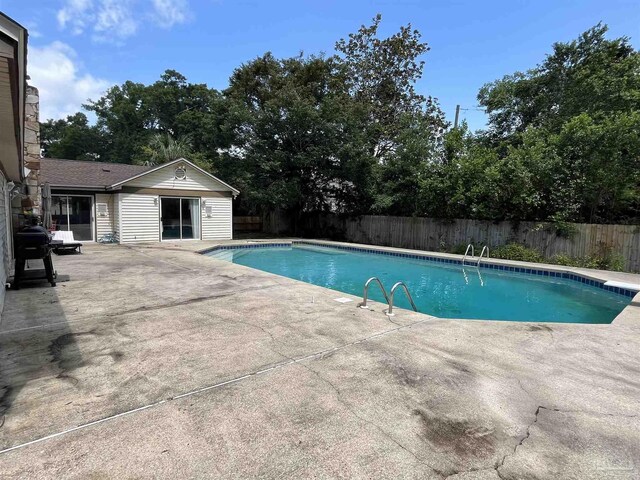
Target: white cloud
(116, 20)
(168, 13)
(76, 14)
(55, 72)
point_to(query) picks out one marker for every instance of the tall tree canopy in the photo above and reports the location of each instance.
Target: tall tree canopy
(297, 140)
(349, 133)
(576, 117)
(380, 75)
(72, 138)
(590, 75)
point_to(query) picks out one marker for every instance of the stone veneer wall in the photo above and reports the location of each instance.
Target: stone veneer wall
(32, 148)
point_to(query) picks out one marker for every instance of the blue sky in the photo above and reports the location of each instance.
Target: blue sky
(80, 47)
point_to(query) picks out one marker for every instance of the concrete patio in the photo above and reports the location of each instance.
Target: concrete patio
(153, 361)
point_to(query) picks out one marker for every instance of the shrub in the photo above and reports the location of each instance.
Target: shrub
(564, 259)
(604, 260)
(460, 249)
(515, 251)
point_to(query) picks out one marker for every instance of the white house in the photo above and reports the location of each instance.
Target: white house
(174, 201)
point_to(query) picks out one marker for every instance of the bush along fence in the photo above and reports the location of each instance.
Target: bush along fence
(615, 247)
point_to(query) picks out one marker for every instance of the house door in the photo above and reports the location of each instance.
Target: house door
(73, 213)
(180, 218)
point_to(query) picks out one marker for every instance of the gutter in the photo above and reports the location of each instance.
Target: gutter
(78, 187)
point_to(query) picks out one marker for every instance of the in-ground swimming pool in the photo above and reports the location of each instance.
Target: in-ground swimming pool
(446, 290)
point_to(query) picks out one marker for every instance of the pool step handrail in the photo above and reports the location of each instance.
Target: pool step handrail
(466, 252)
(389, 312)
(484, 249)
(365, 293)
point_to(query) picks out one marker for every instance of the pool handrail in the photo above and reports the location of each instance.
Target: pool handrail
(365, 293)
(466, 252)
(392, 293)
(485, 248)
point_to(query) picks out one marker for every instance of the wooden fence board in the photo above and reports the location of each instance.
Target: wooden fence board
(434, 234)
(247, 224)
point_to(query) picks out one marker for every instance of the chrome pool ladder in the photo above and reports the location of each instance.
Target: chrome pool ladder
(484, 249)
(365, 293)
(466, 252)
(392, 293)
(388, 298)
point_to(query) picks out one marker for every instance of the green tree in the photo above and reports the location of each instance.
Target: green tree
(349, 133)
(400, 178)
(296, 139)
(380, 75)
(181, 109)
(598, 167)
(573, 120)
(163, 148)
(129, 115)
(124, 120)
(72, 138)
(591, 74)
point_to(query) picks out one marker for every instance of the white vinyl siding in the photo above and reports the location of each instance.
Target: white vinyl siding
(139, 218)
(104, 223)
(116, 216)
(218, 226)
(164, 178)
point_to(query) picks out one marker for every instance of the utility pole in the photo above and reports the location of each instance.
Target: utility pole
(455, 122)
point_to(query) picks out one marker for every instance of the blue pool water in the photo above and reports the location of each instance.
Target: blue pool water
(443, 290)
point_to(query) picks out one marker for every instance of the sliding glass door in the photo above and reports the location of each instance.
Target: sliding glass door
(73, 213)
(170, 218)
(180, 218)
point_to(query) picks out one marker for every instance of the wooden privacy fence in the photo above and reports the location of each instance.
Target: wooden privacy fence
(247, 224)
(436, 234)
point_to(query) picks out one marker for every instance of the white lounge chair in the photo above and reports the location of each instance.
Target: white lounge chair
(68, 242)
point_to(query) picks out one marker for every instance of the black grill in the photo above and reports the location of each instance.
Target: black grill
(33, 243)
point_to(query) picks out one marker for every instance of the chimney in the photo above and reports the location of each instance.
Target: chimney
(32, 150)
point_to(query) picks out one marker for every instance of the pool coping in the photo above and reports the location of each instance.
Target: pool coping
(595, 279)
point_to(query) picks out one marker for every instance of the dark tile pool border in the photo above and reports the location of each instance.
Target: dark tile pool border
(486, 264)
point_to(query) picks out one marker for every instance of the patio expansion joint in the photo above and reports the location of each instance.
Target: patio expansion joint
(255, 373)
(180, 303)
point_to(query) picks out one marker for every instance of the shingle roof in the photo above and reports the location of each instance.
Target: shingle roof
(77, 173)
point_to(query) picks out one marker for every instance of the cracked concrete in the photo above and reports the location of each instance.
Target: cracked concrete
(153, 361)
(527, 434)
